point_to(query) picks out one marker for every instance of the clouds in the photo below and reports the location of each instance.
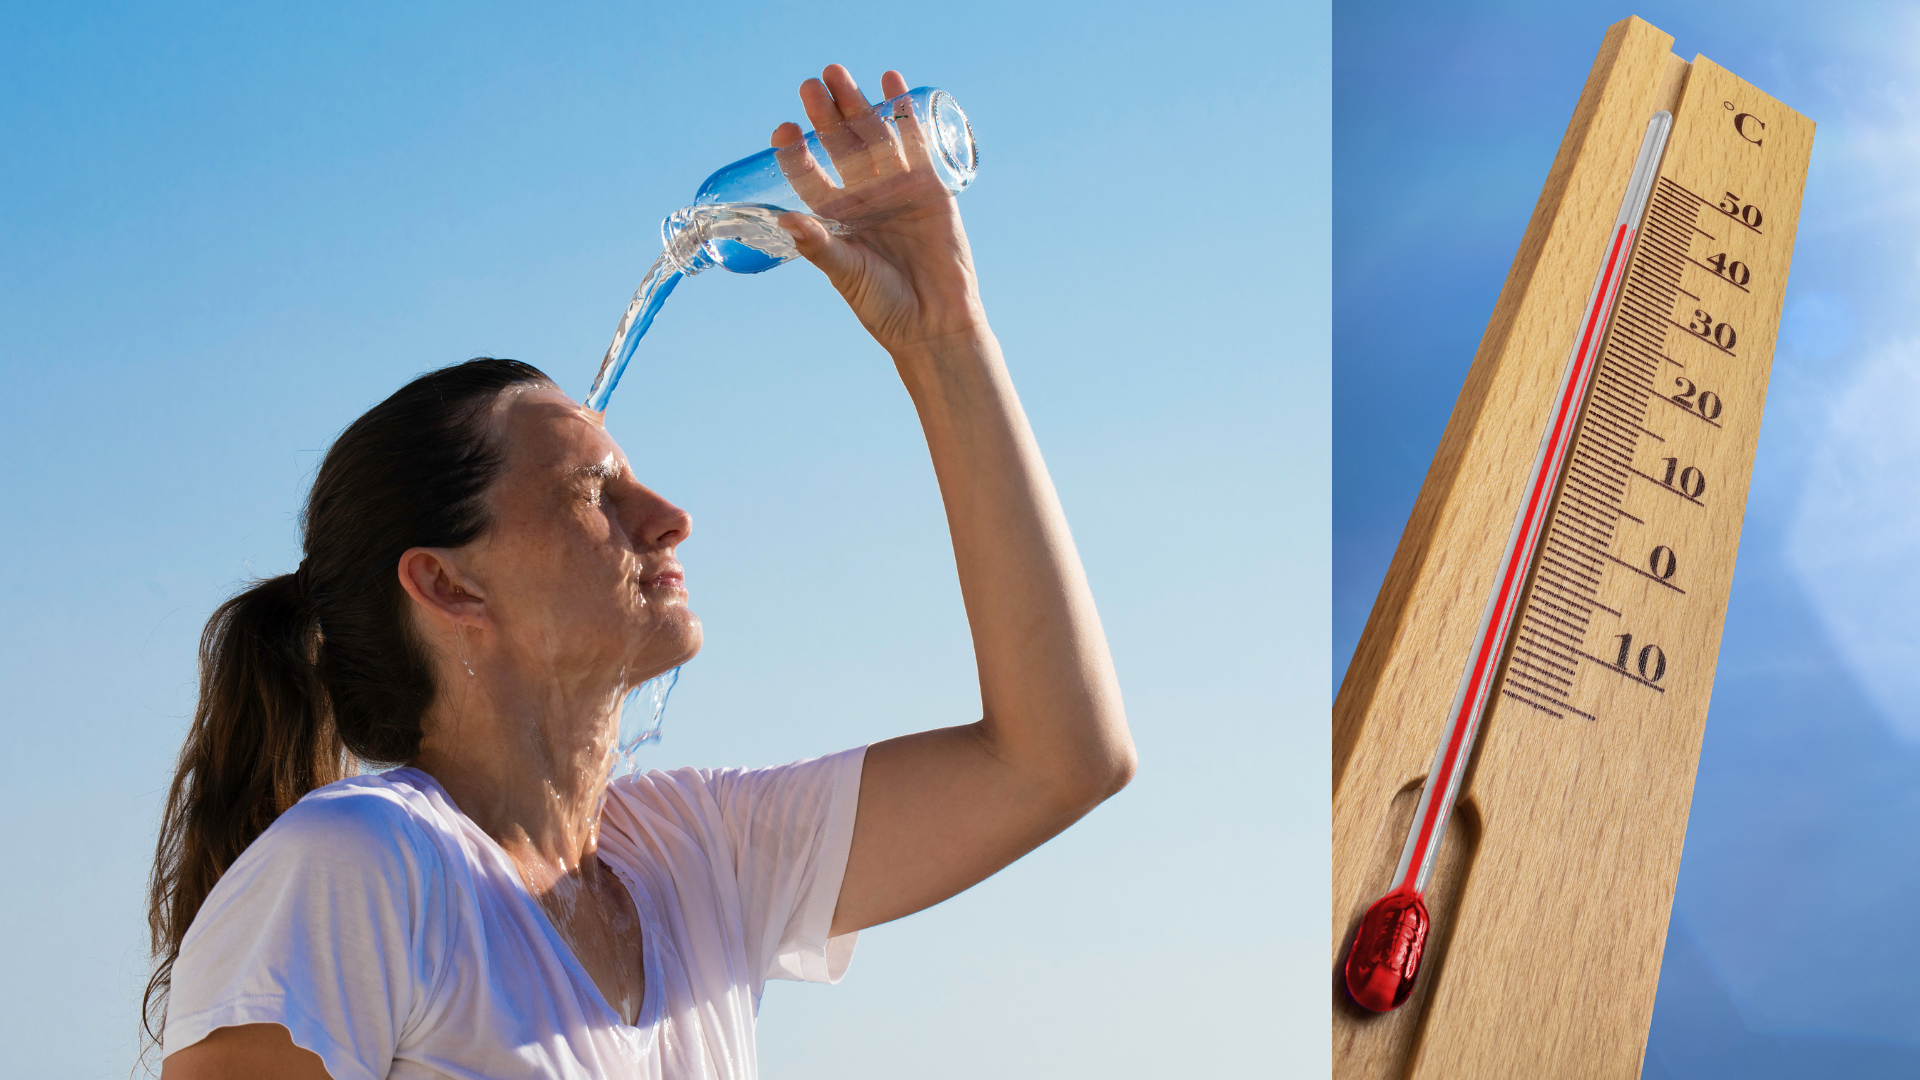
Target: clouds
(1855, 536)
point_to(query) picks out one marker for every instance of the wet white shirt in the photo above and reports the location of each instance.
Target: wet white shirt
(394, 938)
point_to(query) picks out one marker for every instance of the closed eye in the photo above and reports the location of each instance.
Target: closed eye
(593, 479)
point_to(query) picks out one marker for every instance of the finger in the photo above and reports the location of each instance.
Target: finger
(913, 140)
(817, 100)
(788, 136)
(797, 164)
(876, 154)
(880, 141)
(881, 147)
(835, 257)
(846, 94)
(843, 147)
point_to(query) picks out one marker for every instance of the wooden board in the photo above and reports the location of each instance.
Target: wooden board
(1553, 886)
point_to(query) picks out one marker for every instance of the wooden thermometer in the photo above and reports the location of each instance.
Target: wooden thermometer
(1515, 743)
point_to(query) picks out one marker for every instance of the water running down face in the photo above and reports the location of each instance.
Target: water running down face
(574, 591)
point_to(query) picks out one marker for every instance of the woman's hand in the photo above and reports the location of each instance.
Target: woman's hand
(906, 270)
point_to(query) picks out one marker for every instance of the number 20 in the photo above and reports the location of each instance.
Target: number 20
(1708, 403)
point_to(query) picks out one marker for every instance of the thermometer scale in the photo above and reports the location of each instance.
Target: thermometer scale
(1516, 739)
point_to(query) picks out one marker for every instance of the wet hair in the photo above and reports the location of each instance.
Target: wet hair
(305, 675)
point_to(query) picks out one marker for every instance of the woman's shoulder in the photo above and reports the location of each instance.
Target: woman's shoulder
(353, 852)
(375, 803)
(374, 821)
(342, 903)
(686, 781)
(687, 795)
(721, 803)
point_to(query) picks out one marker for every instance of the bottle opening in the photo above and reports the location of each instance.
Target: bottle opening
(953, 141)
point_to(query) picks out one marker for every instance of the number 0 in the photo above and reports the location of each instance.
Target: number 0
(1663, 562)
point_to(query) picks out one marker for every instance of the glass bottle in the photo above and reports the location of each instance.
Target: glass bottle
(731, 222)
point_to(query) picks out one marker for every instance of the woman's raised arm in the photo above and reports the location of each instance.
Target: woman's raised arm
(941, 810)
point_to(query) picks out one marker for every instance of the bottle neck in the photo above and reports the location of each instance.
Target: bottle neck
(683, 236)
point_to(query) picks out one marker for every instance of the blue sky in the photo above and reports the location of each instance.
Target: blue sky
(227, 230)
(1787, 956)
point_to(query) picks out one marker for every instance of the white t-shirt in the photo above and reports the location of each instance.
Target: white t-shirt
(394, 938)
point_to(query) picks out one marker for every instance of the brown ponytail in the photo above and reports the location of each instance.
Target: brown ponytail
(304, 675)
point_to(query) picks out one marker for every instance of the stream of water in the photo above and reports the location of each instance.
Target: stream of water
(745, 238)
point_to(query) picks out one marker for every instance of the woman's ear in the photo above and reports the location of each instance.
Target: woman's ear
(444, 593)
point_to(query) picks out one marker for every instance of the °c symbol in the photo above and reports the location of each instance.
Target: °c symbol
(1748, 127)
(1728, 105)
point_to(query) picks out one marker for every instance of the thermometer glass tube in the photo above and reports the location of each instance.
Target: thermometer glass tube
(1385, 958)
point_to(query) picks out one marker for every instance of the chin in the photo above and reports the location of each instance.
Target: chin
(670, 646)
(695, 636)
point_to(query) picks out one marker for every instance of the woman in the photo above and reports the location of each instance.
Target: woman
(484, 580)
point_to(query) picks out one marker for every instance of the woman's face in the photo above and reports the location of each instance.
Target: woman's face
(577, 569)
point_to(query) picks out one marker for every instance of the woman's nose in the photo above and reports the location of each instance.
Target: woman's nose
(657, 523)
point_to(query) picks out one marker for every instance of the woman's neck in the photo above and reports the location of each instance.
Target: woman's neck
(527, 762)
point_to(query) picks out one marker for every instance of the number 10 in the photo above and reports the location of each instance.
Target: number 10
(1650, 656)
